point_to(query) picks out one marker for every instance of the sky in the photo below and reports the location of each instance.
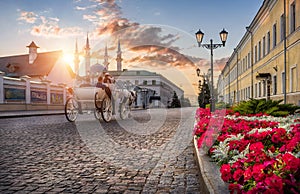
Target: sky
(155, 35)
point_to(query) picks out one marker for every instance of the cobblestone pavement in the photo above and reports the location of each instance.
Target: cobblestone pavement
(47, 154)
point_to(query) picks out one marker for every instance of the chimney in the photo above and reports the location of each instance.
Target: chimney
(32, 52)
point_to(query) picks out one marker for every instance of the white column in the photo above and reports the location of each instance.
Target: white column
(48, 89)
(27, 89)
(48, 93)
(1, 87)
(64, 92)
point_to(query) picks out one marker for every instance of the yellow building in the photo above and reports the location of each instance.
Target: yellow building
(266, 62)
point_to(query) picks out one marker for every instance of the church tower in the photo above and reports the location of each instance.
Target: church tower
(119, 57)
(106, 63)
(76, 59)
(87, 56)
(32, 52)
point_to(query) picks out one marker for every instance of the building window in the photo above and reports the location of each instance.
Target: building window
(259, 50)
(293, 17)
(282, 82)
(264, 88)
(136, 82)
(268, 42)
(259, 89)
(255, 90)
(153, 82)
(145, 82)
(281, 27)
(274, 85)
(249, 60)
(274, 35)
(264, 46)
(249, 94)
(255, 53)
(293, 79)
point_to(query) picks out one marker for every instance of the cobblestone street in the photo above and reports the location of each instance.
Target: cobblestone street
(150, 153)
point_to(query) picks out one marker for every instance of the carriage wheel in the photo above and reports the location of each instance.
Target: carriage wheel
(124, 110)
(106, 109)
(97, 113)
(97, 101)
(71, 109)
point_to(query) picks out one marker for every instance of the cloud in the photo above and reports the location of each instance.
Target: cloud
(49, 27)
(82, 8)
(157, 13)
(219, 64)
(156, 56)
(90, 17)
(145, 42)
(28, 17)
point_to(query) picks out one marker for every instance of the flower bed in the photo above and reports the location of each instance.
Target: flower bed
(257, 153)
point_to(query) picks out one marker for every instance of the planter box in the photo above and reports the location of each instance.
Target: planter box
(210, 176)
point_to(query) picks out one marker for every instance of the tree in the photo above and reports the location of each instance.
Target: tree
(204, 95)
(175, 101)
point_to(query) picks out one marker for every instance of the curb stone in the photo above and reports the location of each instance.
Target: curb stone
(210, 177)
(14, 114)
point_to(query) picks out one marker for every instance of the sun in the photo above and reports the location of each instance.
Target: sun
(69, 59)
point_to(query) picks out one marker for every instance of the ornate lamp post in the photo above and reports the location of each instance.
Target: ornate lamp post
(211, 46)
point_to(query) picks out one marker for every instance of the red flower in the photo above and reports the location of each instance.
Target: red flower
(238, 175)
(226, 172)
(248, 174)
(235, 188)
(274, 182)
(258, 173)
(256, 147)
(272, 191)
(293, 143)
(292, 163)
(279, 135)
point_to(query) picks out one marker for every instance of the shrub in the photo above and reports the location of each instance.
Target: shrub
(270, 107)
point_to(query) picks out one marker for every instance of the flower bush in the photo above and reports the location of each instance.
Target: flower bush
(256, 153)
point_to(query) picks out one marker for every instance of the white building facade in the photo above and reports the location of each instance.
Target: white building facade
(153, 90)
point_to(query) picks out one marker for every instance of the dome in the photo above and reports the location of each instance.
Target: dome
(97, 68)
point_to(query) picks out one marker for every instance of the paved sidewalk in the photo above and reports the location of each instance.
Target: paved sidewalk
(11, 114)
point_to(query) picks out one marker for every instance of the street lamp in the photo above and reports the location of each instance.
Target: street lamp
(211, 46)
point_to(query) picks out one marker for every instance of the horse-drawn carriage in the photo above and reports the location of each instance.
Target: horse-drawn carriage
(98, 100)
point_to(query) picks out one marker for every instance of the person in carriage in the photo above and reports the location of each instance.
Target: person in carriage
(105, 83)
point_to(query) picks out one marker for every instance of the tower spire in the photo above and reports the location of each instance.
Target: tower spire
(76, 59)
(119, 57)
(106, 63)
(87, 56)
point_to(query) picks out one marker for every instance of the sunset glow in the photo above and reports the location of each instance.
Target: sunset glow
(69, 59)
(150, 36)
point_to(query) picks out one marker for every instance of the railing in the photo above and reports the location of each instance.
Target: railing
(24, 94)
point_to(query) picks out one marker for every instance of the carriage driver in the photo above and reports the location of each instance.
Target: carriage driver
(107, 87)
(108, 78)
